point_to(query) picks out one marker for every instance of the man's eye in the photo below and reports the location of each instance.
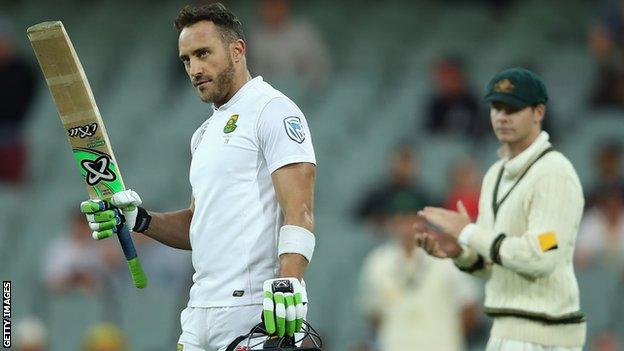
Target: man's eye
(203, 54)
(511, 111)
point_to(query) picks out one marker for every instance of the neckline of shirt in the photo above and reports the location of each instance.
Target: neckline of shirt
(515, 165)
(252, 82)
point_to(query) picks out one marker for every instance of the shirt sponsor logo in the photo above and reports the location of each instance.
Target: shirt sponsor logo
(294, 129)
(230, 126)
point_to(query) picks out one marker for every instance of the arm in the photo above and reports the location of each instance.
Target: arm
(470, 261)
(294, 185)
(554, 214)
(172, 228)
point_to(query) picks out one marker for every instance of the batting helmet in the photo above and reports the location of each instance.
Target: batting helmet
(258, 339)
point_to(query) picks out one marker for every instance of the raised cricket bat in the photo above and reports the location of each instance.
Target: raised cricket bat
(82, 121)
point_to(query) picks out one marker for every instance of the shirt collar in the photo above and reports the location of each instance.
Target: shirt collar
(237, 96)
(515, 165)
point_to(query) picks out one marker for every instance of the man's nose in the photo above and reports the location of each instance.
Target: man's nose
(195, 68)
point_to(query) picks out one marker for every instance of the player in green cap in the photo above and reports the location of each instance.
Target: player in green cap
(529, 210)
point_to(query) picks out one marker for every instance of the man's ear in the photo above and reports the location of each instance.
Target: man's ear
(237, 50)
(539, 112)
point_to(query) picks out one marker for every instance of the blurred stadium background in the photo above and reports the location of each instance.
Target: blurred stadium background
(377, 67)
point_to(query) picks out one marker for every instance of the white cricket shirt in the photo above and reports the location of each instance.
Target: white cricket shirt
(235, 226)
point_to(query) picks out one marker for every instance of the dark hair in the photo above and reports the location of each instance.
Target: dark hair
(230, 27)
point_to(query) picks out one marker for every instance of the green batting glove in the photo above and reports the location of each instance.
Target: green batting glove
(106, 217)
(103, 218)
(284, 306)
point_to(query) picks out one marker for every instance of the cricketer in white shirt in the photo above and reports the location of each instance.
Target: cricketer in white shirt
(234, 230)
(250, 220)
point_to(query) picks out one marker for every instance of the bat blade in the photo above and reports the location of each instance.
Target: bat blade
(82, 122)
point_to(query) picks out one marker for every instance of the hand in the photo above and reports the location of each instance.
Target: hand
(284, 306)
(446, 221)
(106, 217)
(438, 245)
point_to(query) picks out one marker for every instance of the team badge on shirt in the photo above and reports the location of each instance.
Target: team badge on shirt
(230, 126)
(294, 129)
(547, 241)
(180, 347)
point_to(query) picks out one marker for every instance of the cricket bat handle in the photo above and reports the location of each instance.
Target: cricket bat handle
(134, 264)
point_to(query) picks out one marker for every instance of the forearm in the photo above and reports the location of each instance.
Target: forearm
(294, 185)
(292, 266)
(521, 254)
(171, 228)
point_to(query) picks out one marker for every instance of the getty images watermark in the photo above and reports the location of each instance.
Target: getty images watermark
(6, 314)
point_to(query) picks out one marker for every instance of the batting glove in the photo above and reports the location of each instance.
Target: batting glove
(106, 217)
(284, 306)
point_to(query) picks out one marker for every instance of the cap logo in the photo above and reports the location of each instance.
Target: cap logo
(504, 86)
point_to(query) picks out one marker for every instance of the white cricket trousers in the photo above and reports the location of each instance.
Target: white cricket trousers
(496, 344)
(213, 329)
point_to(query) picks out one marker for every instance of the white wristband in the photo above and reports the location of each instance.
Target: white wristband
(294, 239)
(466, 233)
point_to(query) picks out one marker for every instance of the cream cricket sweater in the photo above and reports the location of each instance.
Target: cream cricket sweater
(525, 249)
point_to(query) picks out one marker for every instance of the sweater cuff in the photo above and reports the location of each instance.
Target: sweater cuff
(481, 241)
(467, 258)
(466, 233)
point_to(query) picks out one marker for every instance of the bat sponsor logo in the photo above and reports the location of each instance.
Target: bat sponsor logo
(98, 170)
(82, 132)
(97, 143)
(294, 129)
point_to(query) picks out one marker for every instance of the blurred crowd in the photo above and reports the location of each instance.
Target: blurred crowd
(32, 335)
(417, 292)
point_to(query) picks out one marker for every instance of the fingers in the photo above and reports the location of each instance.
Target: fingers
(92, 206)
(280, 313)
(284, 311)
(99, 235)
(107, 224)
(103, 219)
(433, 214)
(429, 243)
(291, 314)
(462, 208)
(268, 314)
(126, 198)
(300, 310)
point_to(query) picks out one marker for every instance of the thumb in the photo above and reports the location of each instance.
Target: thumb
(462, 209)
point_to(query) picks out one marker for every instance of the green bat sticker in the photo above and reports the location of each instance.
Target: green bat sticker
(99, 171)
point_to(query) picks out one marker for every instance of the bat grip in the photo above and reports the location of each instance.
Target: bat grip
(136, 271)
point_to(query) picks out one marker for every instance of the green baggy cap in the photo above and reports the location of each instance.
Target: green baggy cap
(517, 87)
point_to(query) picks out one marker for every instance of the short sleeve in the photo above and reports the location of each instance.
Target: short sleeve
(284, 135)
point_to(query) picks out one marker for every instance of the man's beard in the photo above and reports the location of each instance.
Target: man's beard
(222, 86)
